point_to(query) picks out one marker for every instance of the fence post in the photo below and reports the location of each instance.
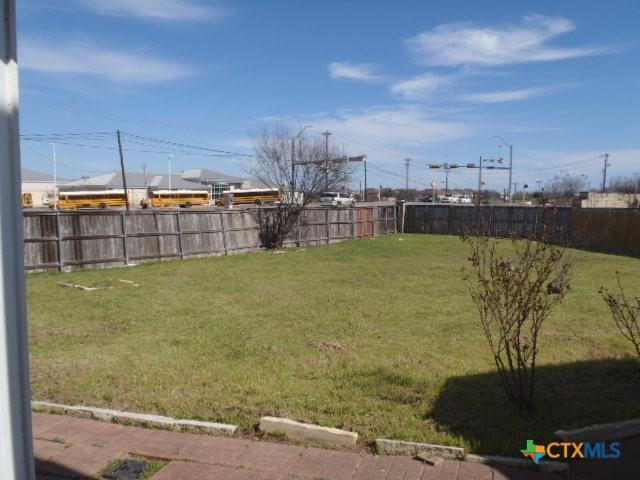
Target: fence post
(179, 234)
(353, 222)
(298, 234)
(404, 214)
(386, 220)
(124, 237)
(224, 235)
(374, 215)
(158, 236)
(59, 240)
(395, 218)
(328, 226)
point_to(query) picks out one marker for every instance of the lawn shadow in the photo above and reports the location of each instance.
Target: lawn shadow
(569, 395)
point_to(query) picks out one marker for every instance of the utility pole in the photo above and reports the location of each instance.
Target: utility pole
(365, 180)
(144, 171)
(326, 158)
(55, 178)
(510, 169)
(298, 136)
(293, 167)
(124, 175)
(515, 188)
(407, 161)
(16, 440)
(507, 144)
(146, 186)
(480, 183)
(604, 172)
(446, 178)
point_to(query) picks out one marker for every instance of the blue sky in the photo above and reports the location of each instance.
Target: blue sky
(434, 81)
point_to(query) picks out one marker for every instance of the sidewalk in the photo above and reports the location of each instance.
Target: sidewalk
(68, 447)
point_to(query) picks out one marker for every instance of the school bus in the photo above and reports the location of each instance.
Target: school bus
(256, 196)
(27, 200)
(90, 199)
(180, 198)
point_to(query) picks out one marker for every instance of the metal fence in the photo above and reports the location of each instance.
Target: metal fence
(100, 239)
(606, 230)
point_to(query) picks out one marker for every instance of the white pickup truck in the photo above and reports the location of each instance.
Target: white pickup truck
(336, 198)
(464, 199)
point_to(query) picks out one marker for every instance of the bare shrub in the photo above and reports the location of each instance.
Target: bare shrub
(625, 312)
(515, 291)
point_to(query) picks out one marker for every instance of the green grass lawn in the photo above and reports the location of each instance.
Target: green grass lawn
(378, 336)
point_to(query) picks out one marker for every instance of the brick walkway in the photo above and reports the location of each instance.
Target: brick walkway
(68, 447)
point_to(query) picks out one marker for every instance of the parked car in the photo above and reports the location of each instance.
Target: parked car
(449, 199)
(465, 200)
(429, 198)
(336, 198)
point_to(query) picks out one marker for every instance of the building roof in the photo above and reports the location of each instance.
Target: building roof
(135, 180)
(34, 176)
(257, 183)
(204, 175)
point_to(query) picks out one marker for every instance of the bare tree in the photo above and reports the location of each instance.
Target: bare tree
(563, 188)
(625, 184)
(302, 168)
(514, 294)
(625, 312)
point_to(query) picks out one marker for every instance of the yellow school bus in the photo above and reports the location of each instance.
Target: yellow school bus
(27, 200)
(90, 199)
(256, 196)
(180, 198)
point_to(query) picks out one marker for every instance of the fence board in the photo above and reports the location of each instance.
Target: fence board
(605, 230)
(102, 239)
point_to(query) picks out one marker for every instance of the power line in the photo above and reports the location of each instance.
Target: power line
(106, 147)
(184, 145)
(393, 174)
(66, 135)
(72, 140)
(63, 164)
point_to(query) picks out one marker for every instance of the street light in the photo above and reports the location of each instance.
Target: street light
(507, 144)
(55, 178)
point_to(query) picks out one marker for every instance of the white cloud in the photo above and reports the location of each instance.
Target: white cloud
(505, 95)
(420, 87)
(390, 129)
(183, 10)
(87, 59)
(456, 44)
(353, 71)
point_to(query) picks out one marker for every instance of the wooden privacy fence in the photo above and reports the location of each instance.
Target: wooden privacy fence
(612, 230)
(101, 239)
(605, 230)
